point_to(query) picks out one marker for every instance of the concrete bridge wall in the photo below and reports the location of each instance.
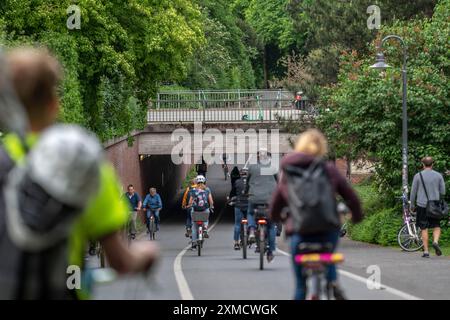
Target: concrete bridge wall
(145, 171)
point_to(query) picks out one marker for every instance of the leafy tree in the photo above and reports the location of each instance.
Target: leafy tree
(328, 27)
(274, 29)
(361, 114)
(224, 60)
(115, 63)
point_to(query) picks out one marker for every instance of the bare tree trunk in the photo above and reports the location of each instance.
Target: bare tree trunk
(266, 80)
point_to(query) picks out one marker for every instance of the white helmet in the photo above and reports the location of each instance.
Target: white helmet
(200, 179)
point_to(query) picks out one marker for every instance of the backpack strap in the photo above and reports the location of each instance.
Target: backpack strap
(423, 184)
(6, 164)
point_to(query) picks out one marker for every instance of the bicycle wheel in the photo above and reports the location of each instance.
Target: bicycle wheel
(129, 236)
(199, 240)
(244, 241)
(407, 242)
(315, 287)
(262, 247)
(101, 254)
(152, 229)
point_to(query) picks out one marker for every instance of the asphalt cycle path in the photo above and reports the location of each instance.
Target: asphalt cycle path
(221, 273)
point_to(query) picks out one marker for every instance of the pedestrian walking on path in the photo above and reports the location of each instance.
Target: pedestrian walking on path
(428, 185)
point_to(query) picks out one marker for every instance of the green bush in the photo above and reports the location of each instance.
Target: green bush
(389, 223)
(382, 220)
(365, 231)
(372, 200)
(445, 236)
(381, 227)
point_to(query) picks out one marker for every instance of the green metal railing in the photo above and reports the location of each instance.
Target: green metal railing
(226, 106)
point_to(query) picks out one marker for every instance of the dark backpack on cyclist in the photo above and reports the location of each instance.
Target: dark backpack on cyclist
(312, 203)
(200, 200)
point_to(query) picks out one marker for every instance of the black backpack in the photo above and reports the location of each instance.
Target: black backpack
(29, 275)
(312, 203)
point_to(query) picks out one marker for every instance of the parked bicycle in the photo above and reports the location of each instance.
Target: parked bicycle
(199, 218)
(314, 259)
(262, 245)
(409, 236)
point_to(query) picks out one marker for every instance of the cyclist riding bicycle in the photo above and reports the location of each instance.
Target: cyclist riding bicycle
(310, 149)
(184, 203)
(201, 200)
(240, 205)
(261, 183)
(135, 203)
(152, 206)
(202, 168)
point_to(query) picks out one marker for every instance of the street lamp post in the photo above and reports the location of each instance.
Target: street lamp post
(381, 64)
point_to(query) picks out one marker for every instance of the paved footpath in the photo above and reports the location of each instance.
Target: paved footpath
(221, 273)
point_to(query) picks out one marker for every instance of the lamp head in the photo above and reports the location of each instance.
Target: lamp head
(380, 63)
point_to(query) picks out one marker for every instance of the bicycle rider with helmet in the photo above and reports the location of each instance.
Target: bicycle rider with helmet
(200, 200)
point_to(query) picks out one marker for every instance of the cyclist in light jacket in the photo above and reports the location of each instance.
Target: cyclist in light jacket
(152, 205)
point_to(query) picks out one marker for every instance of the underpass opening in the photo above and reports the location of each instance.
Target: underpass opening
(160, 172)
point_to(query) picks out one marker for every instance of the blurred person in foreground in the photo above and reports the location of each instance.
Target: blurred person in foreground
(27, 272)
(309, 153)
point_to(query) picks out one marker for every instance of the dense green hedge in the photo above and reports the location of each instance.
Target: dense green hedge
(382, 219)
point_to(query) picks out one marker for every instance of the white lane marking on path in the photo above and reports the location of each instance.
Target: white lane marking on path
(353, 276)
(183, 286)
